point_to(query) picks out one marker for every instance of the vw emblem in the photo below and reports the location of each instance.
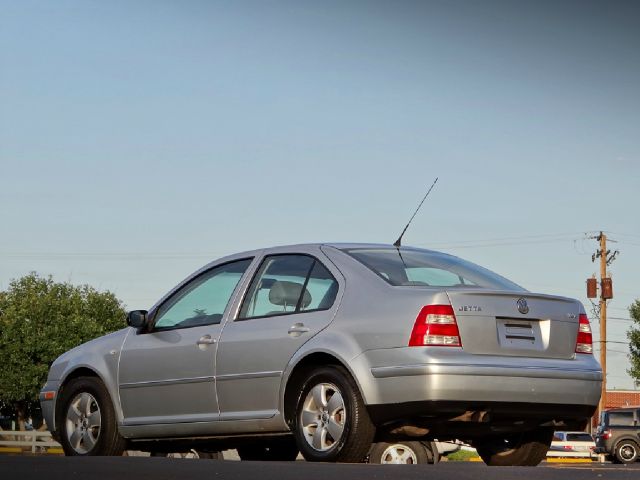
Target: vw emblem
(522, 306)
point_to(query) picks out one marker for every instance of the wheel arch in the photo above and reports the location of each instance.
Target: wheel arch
(78, 372)
(626, 438)
(297, 374)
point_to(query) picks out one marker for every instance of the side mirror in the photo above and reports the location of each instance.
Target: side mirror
(137, 318)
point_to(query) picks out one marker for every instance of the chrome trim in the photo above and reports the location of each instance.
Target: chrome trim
(491, 370)
(172, 381)
(163, 420)
(242, 376)
(523, 308)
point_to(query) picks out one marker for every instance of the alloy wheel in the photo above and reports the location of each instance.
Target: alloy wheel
(323, 416)
(399, 454)
(83, 422)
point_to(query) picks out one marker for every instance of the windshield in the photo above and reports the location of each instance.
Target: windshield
(408, 267)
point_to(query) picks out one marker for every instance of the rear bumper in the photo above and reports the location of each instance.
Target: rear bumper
(472, 414)
(565, 454)
(449, 381)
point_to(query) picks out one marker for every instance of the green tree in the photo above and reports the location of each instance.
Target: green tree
(39, 320)
(634, 342)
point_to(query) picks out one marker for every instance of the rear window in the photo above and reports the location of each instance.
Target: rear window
(623, 419)
(410, 267)
(579, 437)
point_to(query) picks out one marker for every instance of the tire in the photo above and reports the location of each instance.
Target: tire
(332, 423)
(198, 454)
(278, 450)
(87, 420)
(521, 449)
(626, 451)
(403, 453)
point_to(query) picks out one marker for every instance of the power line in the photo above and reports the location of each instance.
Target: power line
(453, 246)
(624, 234)
(622, 319)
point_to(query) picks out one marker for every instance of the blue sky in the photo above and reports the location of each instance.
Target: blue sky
(139, 140)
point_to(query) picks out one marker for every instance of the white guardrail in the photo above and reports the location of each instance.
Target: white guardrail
(36, 441)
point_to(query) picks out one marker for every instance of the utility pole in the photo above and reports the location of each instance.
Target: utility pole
(606, 293)
(603, 323)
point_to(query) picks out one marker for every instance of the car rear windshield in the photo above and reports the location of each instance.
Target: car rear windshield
(412, 267)
(579, 437)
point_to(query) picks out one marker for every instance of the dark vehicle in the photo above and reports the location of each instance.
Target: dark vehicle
(618, 434)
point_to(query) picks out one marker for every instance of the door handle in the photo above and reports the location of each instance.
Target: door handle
(206, 340)
(297, 329)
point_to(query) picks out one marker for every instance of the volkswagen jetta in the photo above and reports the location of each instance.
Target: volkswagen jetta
(326, 348)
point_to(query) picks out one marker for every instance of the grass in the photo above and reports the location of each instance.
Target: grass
(462, 456)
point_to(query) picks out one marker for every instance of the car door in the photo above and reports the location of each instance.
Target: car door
(166, 375)
(290, 299)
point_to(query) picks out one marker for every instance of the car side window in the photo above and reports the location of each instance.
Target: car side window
(286, 284)
(203, 300)
(621, 419)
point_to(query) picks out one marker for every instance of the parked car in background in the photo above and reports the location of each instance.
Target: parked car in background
(325, 349)
(572, 444)
(618, 434)
(403, 452)
(410, 452)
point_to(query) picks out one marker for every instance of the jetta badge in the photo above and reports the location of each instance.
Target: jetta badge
(522, 306)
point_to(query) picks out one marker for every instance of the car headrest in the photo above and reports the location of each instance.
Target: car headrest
(287, 293)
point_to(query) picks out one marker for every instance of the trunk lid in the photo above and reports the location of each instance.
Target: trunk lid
(519, 324)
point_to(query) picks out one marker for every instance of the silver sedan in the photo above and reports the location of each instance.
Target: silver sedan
(324, 349)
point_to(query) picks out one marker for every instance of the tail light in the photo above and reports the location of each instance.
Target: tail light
(584, 341)
(567, 448)
(435, 326)
(606, 434)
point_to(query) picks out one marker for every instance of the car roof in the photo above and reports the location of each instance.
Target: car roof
(338, 245)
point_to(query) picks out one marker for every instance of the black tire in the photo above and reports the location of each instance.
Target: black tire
(403, 453)
(278, 450)
(432, 452)
(346, 416)
(521, 449)
(626, 451)
(87, 420)
(197, 454)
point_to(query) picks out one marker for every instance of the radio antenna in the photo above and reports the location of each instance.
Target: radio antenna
(399, 240)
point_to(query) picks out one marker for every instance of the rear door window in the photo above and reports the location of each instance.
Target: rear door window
(286, 284)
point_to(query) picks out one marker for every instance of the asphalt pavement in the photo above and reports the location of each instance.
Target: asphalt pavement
(155, 468)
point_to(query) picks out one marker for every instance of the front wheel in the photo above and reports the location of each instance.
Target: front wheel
(627, 451)
(88, 424)
(332, 423)
(403, 453)
(519, 449)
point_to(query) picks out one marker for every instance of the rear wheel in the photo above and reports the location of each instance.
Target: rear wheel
(403, 453)
(627, 451)
(332, 423)
(520, 449)
(88, 424)
(279, 450)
